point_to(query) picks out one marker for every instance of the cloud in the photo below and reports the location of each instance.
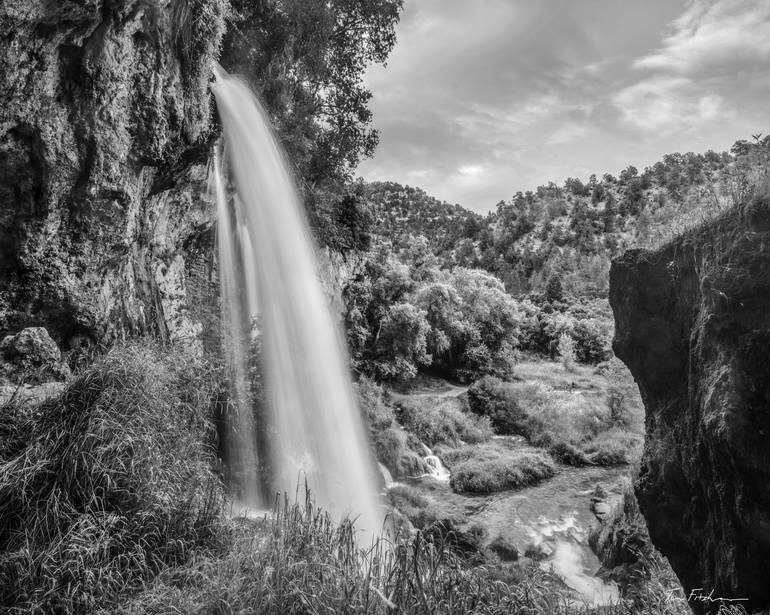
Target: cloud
(669, 103)
(703, 72)
(481, 99)
(715, 35)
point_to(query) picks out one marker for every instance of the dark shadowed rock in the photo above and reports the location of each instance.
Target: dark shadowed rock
(504, 549)
(693, 325)
(31, 356)
(467, 543)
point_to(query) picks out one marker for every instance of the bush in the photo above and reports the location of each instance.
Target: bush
(566, 349)
(392, 448)
(417, 508)
(593, 340)
(379, 415)
(574, 427)
(613, 447)
(489, 397)
(108, 484)
(568, 454)
(442, 421)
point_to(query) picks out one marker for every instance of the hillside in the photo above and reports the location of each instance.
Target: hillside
(570, 231)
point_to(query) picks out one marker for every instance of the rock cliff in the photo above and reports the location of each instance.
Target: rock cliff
(693, 325)
(105, 129)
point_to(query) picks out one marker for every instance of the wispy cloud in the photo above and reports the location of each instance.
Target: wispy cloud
(715, 35)
(712, 52)
(669, 103)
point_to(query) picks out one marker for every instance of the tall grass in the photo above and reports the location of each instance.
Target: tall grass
(105, 485)
(298, 561)
(443, 421)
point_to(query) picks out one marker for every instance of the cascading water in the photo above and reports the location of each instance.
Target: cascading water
(237, 310)
(316, 432)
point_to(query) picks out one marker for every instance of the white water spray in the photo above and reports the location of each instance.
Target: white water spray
(316, 430)
(240, 439)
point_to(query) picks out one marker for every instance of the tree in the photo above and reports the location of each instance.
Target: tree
(307, 59)
(554, 292)
(401, 344)
(609, 215)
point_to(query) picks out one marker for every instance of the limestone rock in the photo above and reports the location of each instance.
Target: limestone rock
(104, 139)
(693, 325)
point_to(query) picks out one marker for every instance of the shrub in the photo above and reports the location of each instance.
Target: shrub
(613, 447)
(442, 421)
(568, 454)
(108, 484)
(566, 349)
(489, 397)
(417, 508)
(574, 427)
(392, 448)
(593, 340)
(371, 400)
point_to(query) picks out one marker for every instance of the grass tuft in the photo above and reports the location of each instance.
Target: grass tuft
(489, 468)
(105, 485)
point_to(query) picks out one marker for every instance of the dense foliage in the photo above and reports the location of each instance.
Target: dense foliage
(111, 505)
(306, 59)
(404, 314)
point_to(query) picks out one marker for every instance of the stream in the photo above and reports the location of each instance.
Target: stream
(548, 523)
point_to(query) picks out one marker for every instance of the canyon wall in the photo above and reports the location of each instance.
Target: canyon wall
(105, 132)
(693, 325)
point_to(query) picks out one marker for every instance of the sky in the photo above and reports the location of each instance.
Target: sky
(482, 98)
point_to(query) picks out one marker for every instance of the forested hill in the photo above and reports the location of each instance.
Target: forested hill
(403, 211)
(573, 230)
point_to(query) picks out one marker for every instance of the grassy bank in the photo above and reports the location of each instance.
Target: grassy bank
(585, 416)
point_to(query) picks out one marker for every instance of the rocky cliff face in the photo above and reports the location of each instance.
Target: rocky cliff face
(104, 136)
(693, 325)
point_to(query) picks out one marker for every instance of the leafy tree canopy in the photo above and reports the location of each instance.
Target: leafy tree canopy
(307, 59)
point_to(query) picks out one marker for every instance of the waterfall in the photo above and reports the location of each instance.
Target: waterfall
(315, 429)
(240, 437)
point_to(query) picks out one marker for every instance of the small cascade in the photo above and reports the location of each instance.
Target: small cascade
(562, 542)
(316, 433)
(436, 468)
(387, 477)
